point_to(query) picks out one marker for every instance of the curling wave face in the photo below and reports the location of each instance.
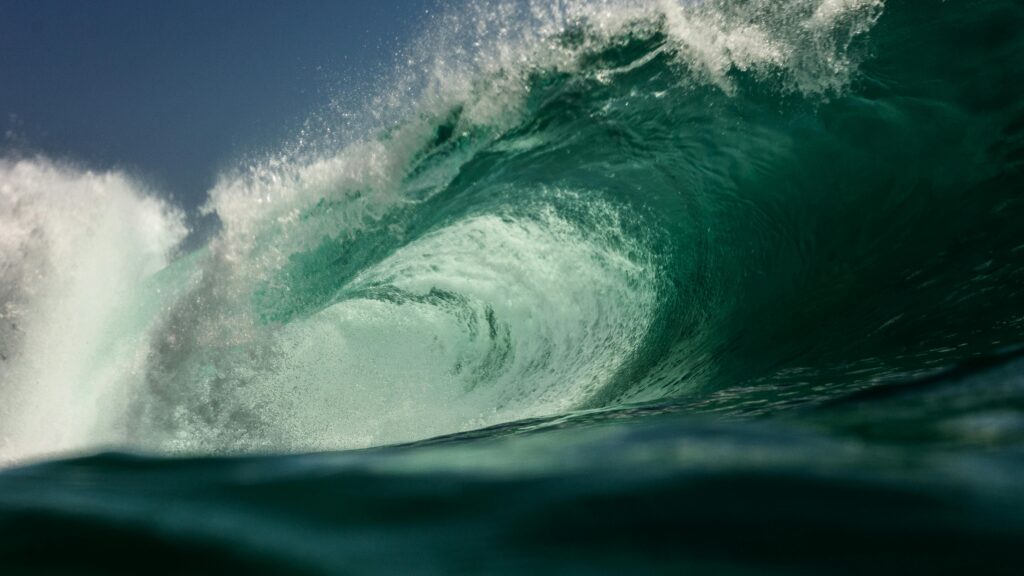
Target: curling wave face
(730, 206)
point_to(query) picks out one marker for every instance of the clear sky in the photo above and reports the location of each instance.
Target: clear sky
(177, 90)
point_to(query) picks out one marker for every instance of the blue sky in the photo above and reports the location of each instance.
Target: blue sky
(177, 90)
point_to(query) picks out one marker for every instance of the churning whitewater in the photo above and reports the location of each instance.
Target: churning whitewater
(545, 208)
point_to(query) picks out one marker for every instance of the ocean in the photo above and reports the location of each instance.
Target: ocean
(613, 287)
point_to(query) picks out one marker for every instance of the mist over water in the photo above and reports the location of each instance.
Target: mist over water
(665, 246)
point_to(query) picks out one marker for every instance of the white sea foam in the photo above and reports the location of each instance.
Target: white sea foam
(486, 320)
(75, 249)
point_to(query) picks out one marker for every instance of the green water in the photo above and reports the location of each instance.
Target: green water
(726, 286)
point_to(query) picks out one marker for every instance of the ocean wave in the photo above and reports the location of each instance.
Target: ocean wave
(736, 206)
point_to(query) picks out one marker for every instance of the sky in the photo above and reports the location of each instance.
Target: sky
(175, 92)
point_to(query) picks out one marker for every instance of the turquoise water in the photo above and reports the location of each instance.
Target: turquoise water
(601, 287)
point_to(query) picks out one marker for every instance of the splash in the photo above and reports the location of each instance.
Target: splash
(76, 250)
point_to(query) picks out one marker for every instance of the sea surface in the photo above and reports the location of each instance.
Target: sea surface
(619, 287)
